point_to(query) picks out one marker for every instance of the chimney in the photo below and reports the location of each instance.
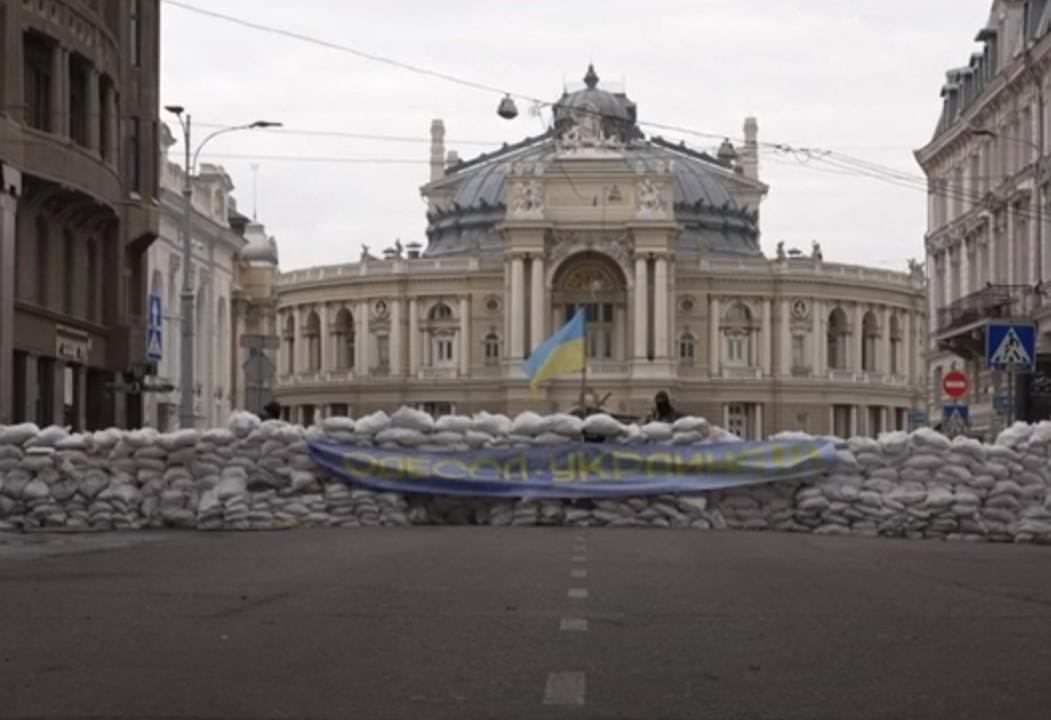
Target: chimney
(749, 159)
(437, 149)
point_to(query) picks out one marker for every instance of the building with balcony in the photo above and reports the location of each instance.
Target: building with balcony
(78, 119)
(218, 238)
(660, 244)
(988, 237)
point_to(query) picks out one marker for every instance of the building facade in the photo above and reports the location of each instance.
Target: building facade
(987, 241)
(217, 241)
(78, 119)
(659, 242)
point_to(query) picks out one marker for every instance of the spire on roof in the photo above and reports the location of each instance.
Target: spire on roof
(591, 79)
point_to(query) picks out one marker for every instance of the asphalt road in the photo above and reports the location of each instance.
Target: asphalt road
(521, 623)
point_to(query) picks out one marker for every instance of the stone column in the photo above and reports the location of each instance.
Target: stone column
(324, 339)
(59, 72)
(32, 389)
(883, 361)
(361, 344)
(8, 208)
(301, 340)
(641, 308)
(397, 337)
(853, 420)
(965, 269)
(820, 339)
(1009, 244)
(758, 433)
(1031, 254)
(766, 338)
(58, 411)
(990, 249)
(113, 133)
(517, 308)
(785, 364)
(537, 311)
(661, 317)
(81, 400)
(414, 337)
(714, 349)
(883, 419)
(94, 110)
(858, 338)
(465, 336)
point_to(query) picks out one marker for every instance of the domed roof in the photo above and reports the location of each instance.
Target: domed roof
(710, 217)
(259, 247)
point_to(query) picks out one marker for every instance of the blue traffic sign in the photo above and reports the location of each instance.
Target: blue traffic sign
(155, 321)
(1003, 403)
(1011, 347)
(917, 417)
(956, 415)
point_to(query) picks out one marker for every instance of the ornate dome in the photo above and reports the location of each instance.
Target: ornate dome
(259, 247)
(704, 203)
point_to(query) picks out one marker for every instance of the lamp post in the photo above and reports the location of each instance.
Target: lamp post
(187, 416)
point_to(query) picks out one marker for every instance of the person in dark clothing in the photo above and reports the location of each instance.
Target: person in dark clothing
(272, 410)
(663, 411)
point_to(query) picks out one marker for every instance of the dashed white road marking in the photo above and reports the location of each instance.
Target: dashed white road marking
(578, 573)
(565, 688)
(580, 548)
(578, 593)
(580, 558)
(574, 624)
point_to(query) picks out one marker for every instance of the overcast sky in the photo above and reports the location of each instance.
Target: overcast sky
(859, 77)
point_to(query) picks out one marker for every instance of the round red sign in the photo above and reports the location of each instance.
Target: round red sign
(955, 384)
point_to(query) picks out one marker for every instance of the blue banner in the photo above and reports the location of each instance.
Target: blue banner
(576, 470)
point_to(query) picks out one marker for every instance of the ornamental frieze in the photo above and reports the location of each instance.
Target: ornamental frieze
(560, 244)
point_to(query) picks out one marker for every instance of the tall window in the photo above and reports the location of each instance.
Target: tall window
(838, 334)
(870, 337)
(134, 155)
(443, 351)
(799, 352)
(36, 88)
(875, 420)
(599, 327)
(344, 337)
(737, 331)
(106, 119)
(687, 350)
(78, 99)
(841, 421)
(134, 33)
(312, 337)
(69, 259)
(383, 353)
(742, 419)
(895, 345)
(492, 349)
(43, 261)
(290, 344)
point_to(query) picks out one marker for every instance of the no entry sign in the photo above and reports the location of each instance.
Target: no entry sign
(955, 384)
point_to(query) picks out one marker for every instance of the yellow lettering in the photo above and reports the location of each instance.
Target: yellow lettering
(517, 465)
(392, 466)
(659, 464)
(696, 465)
(728, 462)
(626, 464)
(359, 462)
(486, 469)
(565, 474)
(451, 469)
(595, 467)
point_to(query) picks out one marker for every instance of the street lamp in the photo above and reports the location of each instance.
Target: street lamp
(1038, 174)
(187, 416)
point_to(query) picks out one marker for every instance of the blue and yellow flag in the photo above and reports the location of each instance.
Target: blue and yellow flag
(562, 353)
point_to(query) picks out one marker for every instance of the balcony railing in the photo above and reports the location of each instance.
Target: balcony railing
(989, 303)
(439, 373)
(606, 368)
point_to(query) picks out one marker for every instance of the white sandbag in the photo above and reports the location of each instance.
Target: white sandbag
(691, 423)
(401, 436)
(412, 419)
(894, 443)
(566, 425)
(1015, 435)
(527, 424)
(48, 437)
(720, 435)
(453, 423)
(35, 490)
(657, 431)
(338, 424)
(372, 424)
(1041, 435)
(76, 441)
(926, 437)
(230, 487)
(792, 436)
(603, 425)
(688, 438)
(494, 425)
(18, 434)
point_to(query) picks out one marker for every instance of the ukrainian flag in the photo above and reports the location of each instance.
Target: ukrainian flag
(562, 353)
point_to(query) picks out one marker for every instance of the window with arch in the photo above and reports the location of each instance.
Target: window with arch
(895, 344)
(687, 349)
(738, 327)
(838, 336)
(492, 349)
(443, 349)
(869, 341)
(440, 312)
(345, 337)
(312, 337)
(290, 343)
(43, 261)
(595, 283)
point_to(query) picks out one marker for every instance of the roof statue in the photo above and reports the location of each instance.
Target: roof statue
(815, 251)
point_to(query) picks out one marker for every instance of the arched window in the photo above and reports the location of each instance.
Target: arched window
(344, 336)
(738, 328)
(687, 349)
(838, 333)
(895, 344)
(312, 337)
(440, 312)
(290, 343)
(869, 340)
(597, 284)
(492, 349)
(43, 260)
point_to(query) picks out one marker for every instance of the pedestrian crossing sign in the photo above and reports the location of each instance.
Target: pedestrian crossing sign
(154, 348)
(1011, 347)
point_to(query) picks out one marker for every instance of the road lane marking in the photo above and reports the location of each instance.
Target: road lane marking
(580, 548)
(580, 558)
(578, 593)
(578, 573)
(574, 625)
(565, 688)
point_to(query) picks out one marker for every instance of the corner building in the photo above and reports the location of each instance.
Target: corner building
(78, 125)
(659, 242)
